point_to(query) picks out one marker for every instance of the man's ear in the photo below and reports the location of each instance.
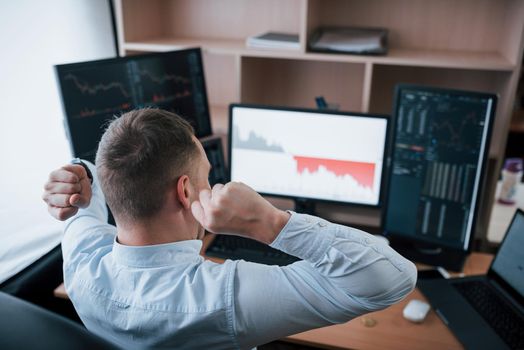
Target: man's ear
(183, 191)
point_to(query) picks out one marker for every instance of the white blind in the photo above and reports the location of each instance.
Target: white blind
(34, 36)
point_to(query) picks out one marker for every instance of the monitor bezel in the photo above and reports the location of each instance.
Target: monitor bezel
(59, 70)
(214, 140)
(396, 103)
(385, 117)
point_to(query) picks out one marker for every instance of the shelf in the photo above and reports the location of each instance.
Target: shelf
(492, 61)
(218, 46)
(446, 59)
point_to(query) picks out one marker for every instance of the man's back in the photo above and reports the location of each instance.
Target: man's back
(163, 296)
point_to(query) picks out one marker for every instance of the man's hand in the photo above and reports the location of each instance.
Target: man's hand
(235, 208)
(67, 189)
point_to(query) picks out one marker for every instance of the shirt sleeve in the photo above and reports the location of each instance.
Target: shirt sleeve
(87, 232)
(345, 273)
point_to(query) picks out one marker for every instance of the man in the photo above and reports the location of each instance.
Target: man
(143, 282)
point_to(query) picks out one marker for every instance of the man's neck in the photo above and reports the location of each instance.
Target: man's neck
(158, 230)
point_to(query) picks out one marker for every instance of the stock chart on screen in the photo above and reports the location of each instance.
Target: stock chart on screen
(308, 154)
(440, 145)
(94, 92)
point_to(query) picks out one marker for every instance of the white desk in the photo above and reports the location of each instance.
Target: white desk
(501, 215)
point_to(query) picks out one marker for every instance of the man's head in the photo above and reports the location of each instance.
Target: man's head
(142, 156)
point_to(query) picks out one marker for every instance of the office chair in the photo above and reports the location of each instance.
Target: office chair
(27, 326)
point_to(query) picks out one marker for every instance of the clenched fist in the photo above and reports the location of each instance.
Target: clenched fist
(66, 190)
(237, 209)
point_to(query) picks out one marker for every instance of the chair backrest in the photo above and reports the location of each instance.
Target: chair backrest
(27, 326)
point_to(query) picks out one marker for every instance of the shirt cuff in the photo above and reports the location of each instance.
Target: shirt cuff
(306, 237)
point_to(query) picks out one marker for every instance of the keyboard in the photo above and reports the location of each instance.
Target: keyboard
(496, 312)
(236, 248)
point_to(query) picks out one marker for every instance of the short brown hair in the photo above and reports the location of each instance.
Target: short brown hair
(140, 154)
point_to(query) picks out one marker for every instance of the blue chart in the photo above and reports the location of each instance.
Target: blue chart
(412, 121)
(461, 133)
(289, 167)
(438, 148)
(449, 181)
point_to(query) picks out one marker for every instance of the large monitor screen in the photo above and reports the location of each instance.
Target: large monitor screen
(308, 154)
(94, 92)
(440, 146)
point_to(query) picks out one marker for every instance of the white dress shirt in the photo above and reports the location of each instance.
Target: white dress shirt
(168, 296)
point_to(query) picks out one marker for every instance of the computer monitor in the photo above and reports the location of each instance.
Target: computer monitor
(440, 143)
(308, 155)
(94, 92)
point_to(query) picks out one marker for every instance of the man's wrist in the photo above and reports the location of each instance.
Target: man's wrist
(78, 161)
(276, 222)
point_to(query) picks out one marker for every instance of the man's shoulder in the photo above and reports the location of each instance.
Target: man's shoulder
(217, 272)
(168, 303)
(175, 288)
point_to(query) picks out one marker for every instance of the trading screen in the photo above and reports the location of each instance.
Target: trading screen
(94, 92)
(308, 155)
(438, 152)
(215, 156)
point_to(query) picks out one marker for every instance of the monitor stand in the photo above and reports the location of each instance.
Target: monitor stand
(305, 206)
(450, 259)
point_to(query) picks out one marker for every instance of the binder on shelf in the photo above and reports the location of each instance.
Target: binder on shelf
(352, 40)
(274, 40)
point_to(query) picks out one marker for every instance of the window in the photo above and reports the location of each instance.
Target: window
(35, 35)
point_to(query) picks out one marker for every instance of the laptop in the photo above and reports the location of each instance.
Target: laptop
(486, 312)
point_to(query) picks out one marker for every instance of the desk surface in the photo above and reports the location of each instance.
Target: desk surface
(391, 330)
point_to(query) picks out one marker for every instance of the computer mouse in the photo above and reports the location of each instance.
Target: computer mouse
(416, 310)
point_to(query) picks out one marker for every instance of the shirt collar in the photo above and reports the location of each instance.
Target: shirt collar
(158, 255)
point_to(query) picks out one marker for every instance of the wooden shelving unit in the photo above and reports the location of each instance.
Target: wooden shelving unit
(466, 44)
(404, 57)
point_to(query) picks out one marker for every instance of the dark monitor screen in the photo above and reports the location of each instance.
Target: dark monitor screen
(94, 92)
(509, 261)
(215, 156)
(308, 154)
(440, 146)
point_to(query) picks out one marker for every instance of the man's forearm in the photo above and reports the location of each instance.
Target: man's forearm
(272, 225)
(88, 229)
(346, 273)
(97, 207)
(344, 255)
